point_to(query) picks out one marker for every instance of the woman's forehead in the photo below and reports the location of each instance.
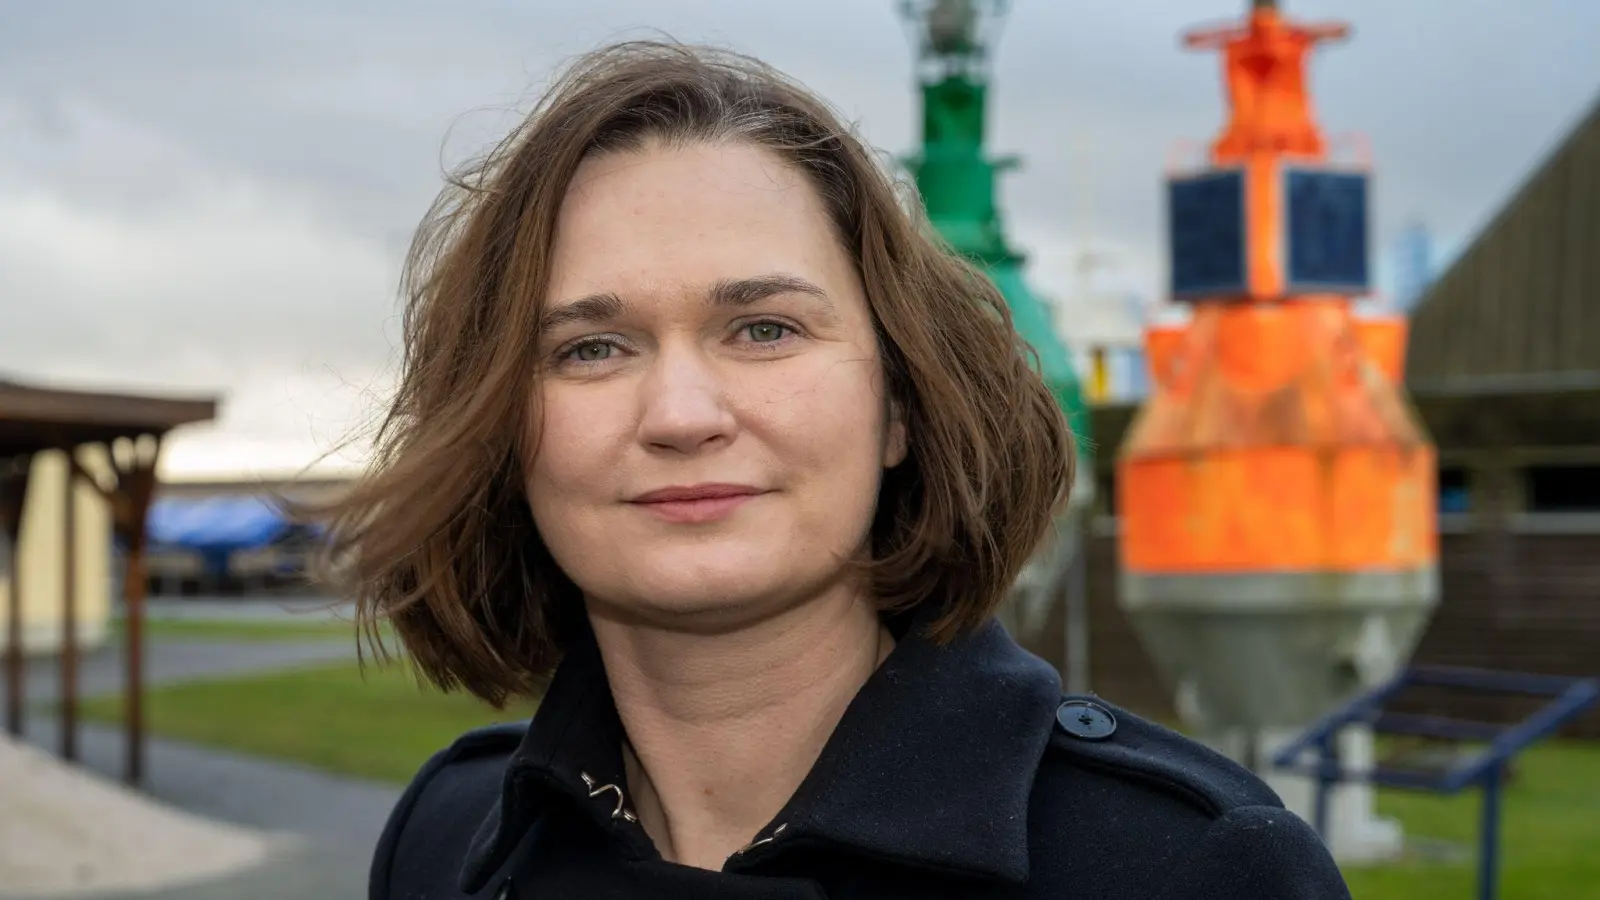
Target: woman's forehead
(684, 194)
(690, 217)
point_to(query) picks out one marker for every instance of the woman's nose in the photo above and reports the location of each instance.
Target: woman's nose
(684, 408)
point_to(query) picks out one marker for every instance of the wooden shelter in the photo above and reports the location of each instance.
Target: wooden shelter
(125, 432)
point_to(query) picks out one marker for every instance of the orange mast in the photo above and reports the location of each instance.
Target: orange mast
(1264, 66)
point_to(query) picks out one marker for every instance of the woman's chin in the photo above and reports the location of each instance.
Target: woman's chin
(698, 600)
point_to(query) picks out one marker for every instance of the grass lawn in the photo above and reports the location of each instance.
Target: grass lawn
(1549, 832)
(377, 724)
(382, 726)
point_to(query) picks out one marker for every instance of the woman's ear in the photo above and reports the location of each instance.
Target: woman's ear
(894, 437)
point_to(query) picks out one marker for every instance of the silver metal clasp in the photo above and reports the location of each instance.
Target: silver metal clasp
(756, 843)
(621, 812)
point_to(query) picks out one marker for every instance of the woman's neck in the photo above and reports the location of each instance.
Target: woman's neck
(723, 728)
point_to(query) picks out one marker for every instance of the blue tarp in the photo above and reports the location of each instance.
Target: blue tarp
(216, 524)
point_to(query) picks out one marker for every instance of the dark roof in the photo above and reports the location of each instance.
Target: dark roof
(34, 418)
(1520, 309)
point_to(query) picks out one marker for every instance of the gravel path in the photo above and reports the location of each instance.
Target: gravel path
(287, 608)
(172, 661)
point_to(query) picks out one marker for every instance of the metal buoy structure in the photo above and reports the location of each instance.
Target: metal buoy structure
(1276, 492)
(956, 177)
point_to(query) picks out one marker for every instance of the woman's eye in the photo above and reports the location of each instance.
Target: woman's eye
(766, 332)
(591, 351)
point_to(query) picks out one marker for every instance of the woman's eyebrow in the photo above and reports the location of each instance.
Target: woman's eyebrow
(601, 307)
(727, 292)
(740, 292)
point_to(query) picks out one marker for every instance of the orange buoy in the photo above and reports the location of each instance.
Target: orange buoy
(1276, 491)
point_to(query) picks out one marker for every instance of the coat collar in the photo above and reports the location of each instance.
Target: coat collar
(932, 763)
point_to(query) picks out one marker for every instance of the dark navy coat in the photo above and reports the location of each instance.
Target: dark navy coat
(957, 772)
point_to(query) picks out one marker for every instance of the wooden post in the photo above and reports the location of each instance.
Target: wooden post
(135, 487)
(13, 491)
(133, 590)
(69, 614)
(14, 666)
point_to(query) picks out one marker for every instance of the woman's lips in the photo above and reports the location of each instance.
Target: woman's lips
(696, 504)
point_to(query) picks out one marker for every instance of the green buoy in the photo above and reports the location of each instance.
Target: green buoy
(956, 178)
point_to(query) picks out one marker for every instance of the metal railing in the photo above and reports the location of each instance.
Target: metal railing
(1315, 753)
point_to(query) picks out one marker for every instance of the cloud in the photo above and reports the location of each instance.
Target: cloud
(204, 196)
(142, 266)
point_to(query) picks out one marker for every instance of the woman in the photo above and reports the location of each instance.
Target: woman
(697, 418)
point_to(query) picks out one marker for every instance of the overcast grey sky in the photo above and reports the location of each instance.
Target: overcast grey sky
(213, 195)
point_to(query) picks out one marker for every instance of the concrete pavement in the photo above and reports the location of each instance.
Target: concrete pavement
(333, 822)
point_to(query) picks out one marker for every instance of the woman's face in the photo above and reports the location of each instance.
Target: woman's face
(711, 413)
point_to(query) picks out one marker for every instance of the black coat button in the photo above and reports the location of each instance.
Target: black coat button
(505, 891)
(1089, 721)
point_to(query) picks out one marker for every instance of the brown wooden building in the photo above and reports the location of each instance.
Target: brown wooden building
(1504, 369)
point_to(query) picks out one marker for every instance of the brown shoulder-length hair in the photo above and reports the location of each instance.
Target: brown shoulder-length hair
(437, 536)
